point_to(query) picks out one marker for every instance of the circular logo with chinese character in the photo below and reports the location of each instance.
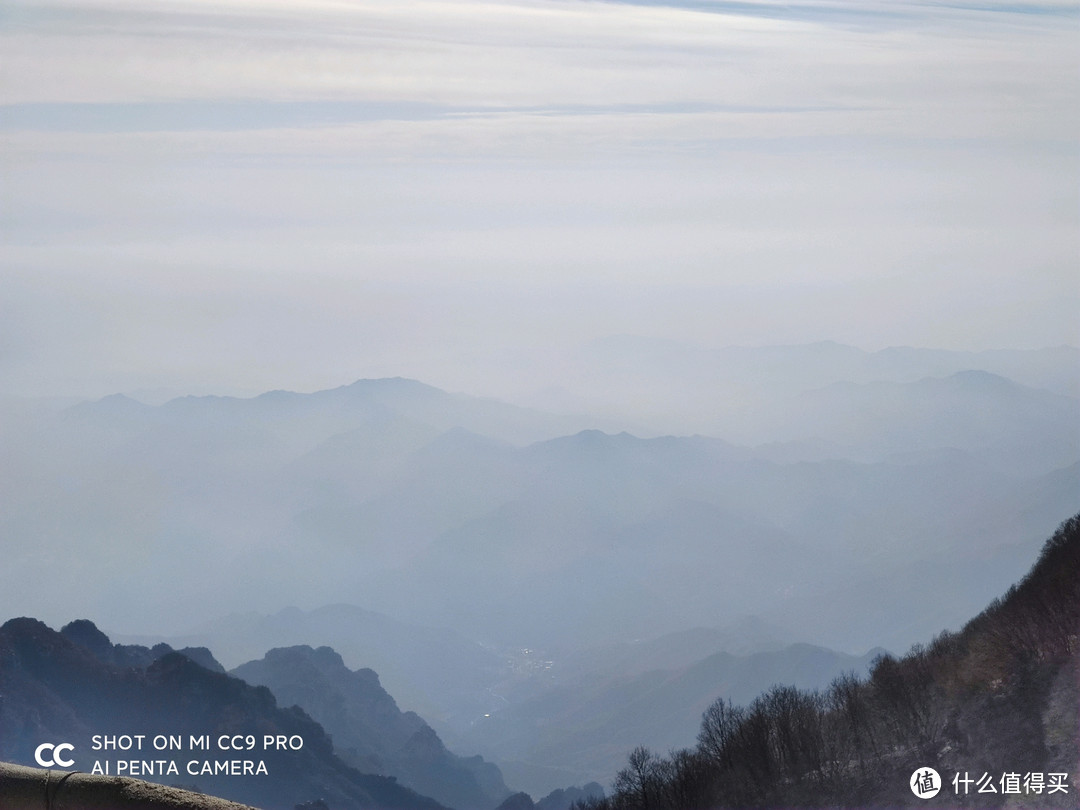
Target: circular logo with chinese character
(925, 783)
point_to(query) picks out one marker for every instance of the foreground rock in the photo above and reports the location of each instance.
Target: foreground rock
(23, 788)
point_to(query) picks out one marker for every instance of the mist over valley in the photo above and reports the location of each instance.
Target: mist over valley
(543, 592)
(626, 404)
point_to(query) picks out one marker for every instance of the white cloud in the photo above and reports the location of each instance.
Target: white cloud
(849, 149)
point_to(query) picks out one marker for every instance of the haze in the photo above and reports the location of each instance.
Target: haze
(243, 196)
(639, 353)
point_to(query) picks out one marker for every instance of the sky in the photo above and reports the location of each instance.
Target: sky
(243, 195)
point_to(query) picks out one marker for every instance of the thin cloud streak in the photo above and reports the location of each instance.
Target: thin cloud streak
(850, 155)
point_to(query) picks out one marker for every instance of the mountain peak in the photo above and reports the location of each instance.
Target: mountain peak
(977, 379)
(324, 657)
(389, 384)
(86, 634)
(114, 405)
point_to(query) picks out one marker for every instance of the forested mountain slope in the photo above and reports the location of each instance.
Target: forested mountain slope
(995, 703)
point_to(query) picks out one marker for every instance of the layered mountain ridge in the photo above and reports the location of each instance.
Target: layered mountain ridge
(863, 499)
(369, 730)
(56, 689)
(418, 500)
(988, 716)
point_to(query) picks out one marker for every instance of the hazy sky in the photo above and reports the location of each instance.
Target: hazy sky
(239, 195)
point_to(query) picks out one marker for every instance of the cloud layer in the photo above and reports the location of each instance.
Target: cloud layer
(334, 189)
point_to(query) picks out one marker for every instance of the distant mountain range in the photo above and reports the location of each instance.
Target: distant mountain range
(752, 395)
(845, 499)
(445, 509)
(1013, 428)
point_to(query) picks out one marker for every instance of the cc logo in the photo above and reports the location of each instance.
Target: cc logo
(49, 755)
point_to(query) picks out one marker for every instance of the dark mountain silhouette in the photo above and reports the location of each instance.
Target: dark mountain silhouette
(86, 634)
(561, 799)
(56, 689)
(370, 731)
(435, 671)
(564, 798)
(1001, 697)
(518, 801)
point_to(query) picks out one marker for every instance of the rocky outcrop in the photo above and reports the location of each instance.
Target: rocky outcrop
(86, 634)
(370, 731)
(56, 690)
